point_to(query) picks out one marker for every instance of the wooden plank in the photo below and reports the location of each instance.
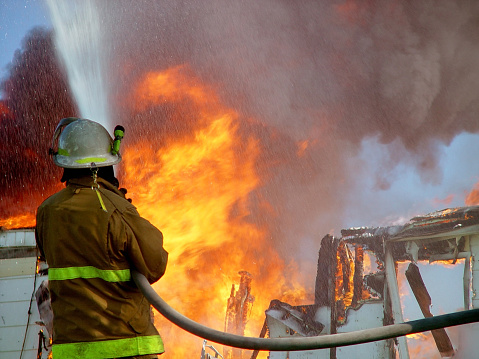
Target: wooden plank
(443, 343)
(474, 246)
(466, 282)
(440, 235)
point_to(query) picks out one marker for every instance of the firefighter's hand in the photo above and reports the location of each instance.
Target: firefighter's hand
(124, 191)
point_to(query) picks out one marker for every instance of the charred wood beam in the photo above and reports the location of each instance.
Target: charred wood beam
(342, 292)
(358, 275)
(466, 282)
(238, 306)
(344, 256)
(326, 270)
(418, 287)
(333, 329)
(324, 291)
(449, 257)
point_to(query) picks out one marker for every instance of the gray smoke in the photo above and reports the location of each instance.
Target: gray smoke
(329, 72)
(402, 70)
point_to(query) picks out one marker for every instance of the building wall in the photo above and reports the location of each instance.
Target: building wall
(18, 283)
(468, 345)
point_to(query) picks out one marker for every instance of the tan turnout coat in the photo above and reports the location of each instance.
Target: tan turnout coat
(98, 311)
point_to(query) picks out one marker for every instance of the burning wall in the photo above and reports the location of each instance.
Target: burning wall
(362, 282)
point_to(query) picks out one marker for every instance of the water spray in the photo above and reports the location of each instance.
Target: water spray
(79, 40)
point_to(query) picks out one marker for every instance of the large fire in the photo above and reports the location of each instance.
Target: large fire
(19, 221)
(197, 190)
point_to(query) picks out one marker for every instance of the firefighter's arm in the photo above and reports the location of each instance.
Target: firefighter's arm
(144, 246)
(39, 238)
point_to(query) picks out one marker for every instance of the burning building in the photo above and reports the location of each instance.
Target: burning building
(357, 286)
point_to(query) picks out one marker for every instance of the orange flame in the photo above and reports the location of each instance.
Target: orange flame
(28, 203)
(23, 220)
(472, 198)
(197, 190)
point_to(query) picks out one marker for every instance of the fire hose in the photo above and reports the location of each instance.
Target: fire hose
(302, 343)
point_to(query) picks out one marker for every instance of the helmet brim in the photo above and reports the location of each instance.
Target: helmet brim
(81, 162)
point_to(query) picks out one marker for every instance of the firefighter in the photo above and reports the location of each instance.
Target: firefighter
(91, 236)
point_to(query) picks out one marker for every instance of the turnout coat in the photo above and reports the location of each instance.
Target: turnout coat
(98, 310)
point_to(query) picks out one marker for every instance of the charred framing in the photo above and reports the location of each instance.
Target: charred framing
(237, 310)
(357, 285)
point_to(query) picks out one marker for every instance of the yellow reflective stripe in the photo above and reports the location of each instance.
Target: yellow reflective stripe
(63, 152)
(109, 275)
(91, 159)
(109, 348)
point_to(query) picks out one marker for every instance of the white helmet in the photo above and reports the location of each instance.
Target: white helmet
(84, 144)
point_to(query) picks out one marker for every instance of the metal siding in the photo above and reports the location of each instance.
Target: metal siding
(15, 288)
(17, 277)
(15, 267)
(370, 315)
(17, 238)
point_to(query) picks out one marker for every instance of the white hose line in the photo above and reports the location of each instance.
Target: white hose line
(301, 343)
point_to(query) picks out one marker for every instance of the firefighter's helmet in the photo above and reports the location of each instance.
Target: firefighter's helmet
(83, 144)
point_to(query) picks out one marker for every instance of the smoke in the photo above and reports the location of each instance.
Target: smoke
(329, 74)
(402, 70)
(311, 79)
(35, 97)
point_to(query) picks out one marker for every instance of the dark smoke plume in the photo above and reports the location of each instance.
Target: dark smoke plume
(35, 97)
(328, 72)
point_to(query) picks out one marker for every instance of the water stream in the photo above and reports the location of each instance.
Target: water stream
(80, 45)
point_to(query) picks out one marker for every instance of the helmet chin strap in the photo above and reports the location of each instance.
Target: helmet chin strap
(96, 186)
